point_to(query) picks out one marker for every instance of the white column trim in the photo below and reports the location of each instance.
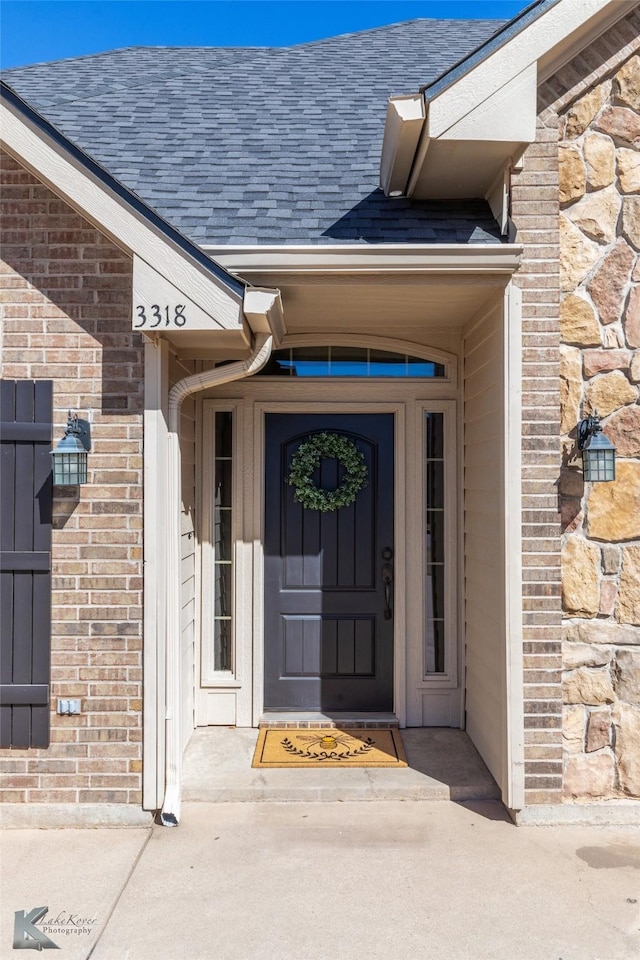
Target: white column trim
(156, 361)
(514, 673)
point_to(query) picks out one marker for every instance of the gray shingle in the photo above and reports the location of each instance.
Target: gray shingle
(258, 145)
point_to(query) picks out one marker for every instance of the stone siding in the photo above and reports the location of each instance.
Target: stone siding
(597, 98)
(66, 304)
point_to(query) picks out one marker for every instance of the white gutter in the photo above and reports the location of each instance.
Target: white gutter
(289, 260)
(170, 814)
(406, 117)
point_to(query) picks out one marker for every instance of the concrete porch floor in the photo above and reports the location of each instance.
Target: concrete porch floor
(443, 764)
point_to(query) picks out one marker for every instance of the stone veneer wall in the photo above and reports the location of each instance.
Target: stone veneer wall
(599, 162)
(561, 756)
(66, 304)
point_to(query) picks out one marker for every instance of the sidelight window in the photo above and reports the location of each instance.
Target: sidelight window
(222, 542)
(434, 532)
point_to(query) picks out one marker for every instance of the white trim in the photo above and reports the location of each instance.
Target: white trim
(514, 674)
(400, 566)
(156, 362)
(460, 545)
(397, 258)
(208, 676)
(258, 395)
(450, 677)
(421, 683)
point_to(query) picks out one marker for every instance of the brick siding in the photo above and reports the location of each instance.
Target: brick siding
(534, 211)
(66, 302)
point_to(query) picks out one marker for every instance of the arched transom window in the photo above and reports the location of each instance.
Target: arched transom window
(345, 361)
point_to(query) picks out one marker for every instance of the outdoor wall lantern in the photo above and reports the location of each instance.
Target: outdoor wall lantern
(598, 453)
(70, 456)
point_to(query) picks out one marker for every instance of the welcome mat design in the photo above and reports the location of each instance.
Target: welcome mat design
(329, 747)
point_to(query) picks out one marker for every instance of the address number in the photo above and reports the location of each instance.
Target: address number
(161, 314)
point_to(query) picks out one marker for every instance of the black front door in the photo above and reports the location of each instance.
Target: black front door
(328, 609)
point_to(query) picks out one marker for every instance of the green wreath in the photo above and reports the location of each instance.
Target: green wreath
(307, 458)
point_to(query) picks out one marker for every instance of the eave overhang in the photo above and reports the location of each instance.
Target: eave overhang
(475, 121)
(364, 290)
(358, 259)
(169, 270)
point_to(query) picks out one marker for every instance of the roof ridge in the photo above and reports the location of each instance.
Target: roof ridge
(109, 86)
(392, 26)
(132, 47)
(82, 56)
(262, 48)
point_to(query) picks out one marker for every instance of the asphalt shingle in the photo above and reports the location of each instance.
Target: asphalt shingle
(258, 145)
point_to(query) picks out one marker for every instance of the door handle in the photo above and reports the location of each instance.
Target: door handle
(387, 580)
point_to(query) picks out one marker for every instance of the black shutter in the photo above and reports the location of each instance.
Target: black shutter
(26, 413)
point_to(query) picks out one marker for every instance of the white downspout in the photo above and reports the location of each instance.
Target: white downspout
(263, 345)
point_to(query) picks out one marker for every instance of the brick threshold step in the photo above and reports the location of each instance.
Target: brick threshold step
(314, 721)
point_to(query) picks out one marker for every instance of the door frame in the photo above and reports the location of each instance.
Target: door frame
(236, 698)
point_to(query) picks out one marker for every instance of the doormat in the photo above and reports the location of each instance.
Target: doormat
(329, 747)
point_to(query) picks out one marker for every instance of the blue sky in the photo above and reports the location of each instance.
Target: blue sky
(33, 31)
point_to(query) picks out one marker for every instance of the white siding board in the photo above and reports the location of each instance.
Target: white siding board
(177, 370)
(485, 601)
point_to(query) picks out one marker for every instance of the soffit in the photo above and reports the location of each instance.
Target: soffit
(382, 290)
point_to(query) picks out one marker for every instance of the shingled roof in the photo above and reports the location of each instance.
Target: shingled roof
(262, 145)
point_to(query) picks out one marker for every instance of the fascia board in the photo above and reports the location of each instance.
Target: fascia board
(551, 30)
(508, 115)
(121, 222)
(398, 258)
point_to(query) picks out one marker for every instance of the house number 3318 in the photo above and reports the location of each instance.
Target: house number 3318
(161, 314)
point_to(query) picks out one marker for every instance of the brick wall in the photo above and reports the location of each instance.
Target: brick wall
(547, 516)
(534, 211)
(66, 300)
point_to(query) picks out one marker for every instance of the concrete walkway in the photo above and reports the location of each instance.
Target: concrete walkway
(443, 764)
(331, 881)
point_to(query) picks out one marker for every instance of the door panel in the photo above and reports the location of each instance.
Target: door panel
(328, 645)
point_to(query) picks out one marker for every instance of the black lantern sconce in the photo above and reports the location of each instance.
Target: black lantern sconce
(70, 456)
(598, 453)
